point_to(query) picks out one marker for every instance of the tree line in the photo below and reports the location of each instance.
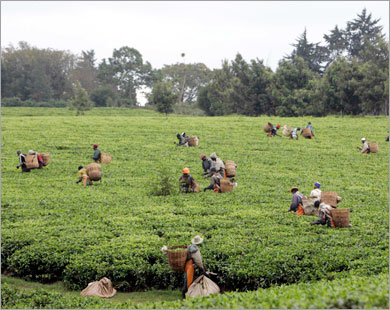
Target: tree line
(347, 74)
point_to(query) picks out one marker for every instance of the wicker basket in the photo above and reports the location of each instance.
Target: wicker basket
(32, 161)
(268, 127)
(105, 158)
(197, 187)
(340, 217)
(94, 171)
(329, 198)
(226, 185)
(287, 130)
(373, 146)
(306, 132)
(193, 141)
(177, 259)
(46, 158)
(230, 167)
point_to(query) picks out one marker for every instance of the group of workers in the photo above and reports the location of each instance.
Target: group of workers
(82, 172)
(294, 133)
(213, 167)
(321, 208)
(22, 160)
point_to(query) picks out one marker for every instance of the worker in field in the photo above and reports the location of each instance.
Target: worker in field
(387, 139)
(218, 164)
(311, 130)
(96, 153)
(187, 182)
(22, 162)
(83, 176)
(183, 139)
(324, 215)
(39, 157)
(214, 181)
(207, 164)
(294, 133)
(296, 203)
(316, 192)
(365, 149)
(274, 130)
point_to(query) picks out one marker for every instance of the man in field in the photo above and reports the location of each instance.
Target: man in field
(22, 162)
(214, 181)
(311, 130)
(183, 139)
(296, 203)
(187, 182)
(207, 164)
(316, 192)
(365, 149)
(96, 154)
(294, 133)
(324, 216)
(218, 164)
(274, 130)
(83, 176)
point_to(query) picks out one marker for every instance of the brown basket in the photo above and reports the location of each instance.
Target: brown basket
(94, 171)
(374, 147)
(268, 127)
(287, 130)
(230, 167)
(32, 161)
(46, 158)
(197, 187)
(340, 217)
(329, 198)
(105, 158)
(306, 132)
(226, 185)
(177, 259)
(193, 141)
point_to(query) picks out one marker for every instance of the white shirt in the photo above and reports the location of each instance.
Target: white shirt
(325, 206)
(316, 193)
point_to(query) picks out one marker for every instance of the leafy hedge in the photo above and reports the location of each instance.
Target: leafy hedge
(17, 102)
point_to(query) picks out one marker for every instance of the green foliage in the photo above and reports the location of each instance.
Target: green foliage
(163, 184)
(103, 96)
(81, 101)
(16, 102)
(163, 97)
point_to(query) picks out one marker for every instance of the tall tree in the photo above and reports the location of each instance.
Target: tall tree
(80, 101)
(163, 97)
(85, 70)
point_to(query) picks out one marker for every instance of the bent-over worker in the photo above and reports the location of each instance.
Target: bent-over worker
(183, 139)
(83, 176)
(187, 182)
(324, 216)
(296, 203)
(365, 149)
(311, 130)
(214, 181)
(207, 164)
(218, 164)
(274, 130)
(22, 162)
(96, 154)
(294, 133)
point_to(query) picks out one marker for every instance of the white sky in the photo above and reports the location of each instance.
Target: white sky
(206, 32)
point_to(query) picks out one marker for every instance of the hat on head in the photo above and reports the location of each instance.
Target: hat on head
(95, 145)
(278, 126)
(183, 133)
(80, 167)
(197, 240)
(293, 188)
(363, 139)
(316, 184)
(202, 156)
(186, 171)
(31, 152)
(213, 155)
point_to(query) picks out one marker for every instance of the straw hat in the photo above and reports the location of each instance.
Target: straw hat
(197, 240)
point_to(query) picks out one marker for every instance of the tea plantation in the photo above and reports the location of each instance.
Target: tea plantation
(56, 230)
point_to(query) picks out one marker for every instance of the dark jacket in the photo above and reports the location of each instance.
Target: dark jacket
(187, 182)
(96, 155)
(207, 165)
(296, 201)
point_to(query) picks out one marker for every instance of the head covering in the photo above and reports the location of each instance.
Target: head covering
(178, 136)
(183, 133)
(31, 152)
(299, 128)
(363, 139)
(278, 126)
(186, 171)
(95, 145)
(213, 155)
(293, 188)
(316, 184)
(18, 152)
(197, 240)
(80, 167)
(202, 156)
(316, 203)
(309, 123)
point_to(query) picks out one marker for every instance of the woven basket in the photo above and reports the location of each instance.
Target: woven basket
(340, 217)
(177, 259)
(197, 187)
(306, 132)
(105, 158)
(226, 185)
(374, 147)
(46, 158)
(230, 167)
(94, 171)
(268, 127)
(287, 130)
(32, 161)
(329, 198)
(193, 141)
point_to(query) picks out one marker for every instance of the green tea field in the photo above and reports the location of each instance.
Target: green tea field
(265, 257)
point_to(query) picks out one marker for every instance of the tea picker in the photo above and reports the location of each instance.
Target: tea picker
(83, 176)
(96, 154)
(187, 182)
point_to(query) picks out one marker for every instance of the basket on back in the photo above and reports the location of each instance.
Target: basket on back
(193, 141)
(177, 256)
(230, 167)
(373, 146)
(268, 127)
(287, 130)
(197, 187)
(46, 158)
(226, 185)
(330, 198)
(340, 217)
(94, 171)
(105, 158)
(31, 161)
(306, 132)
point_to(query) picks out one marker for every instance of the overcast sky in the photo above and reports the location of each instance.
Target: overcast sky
(206, 32)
